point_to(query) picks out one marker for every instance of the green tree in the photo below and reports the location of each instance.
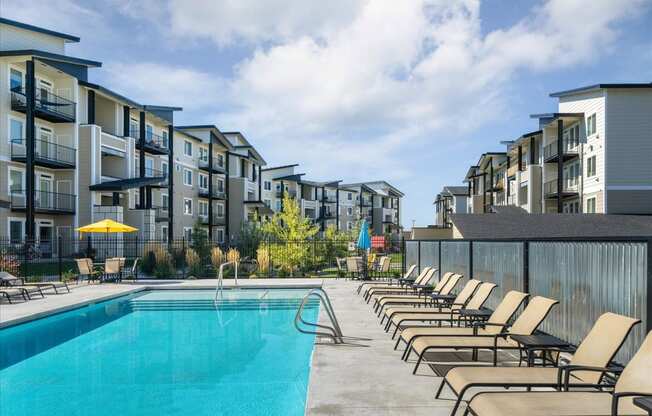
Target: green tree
(200, 245)
(289, 230)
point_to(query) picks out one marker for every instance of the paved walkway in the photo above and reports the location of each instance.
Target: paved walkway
(368, 378)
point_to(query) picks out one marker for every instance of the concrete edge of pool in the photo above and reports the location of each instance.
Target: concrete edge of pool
(80, 296)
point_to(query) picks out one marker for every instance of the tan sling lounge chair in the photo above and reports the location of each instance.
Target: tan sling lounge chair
(596, 350)
(12, 280)
(426, 275)
(9, 293)
(404, 280)
(635, 381)
(460, 300)
(421, 297)
(501, 316)
(450, 315)
(492, 337)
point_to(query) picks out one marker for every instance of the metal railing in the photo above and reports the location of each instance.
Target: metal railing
(44, 201)
(46, 102)
(550, 150)
(204, 164)
(219, 290)
(218, 192)
(45, 152)
(217, 220)
(550, 187)
(151, 139)
(334, 331)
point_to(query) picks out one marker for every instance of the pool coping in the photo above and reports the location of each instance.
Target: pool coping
(173, 285)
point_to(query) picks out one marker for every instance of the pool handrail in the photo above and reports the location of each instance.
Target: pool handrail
(220, 278)
(335, 332)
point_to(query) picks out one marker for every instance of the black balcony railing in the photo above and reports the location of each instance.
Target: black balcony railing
(204, 165)
(154, 143)
(155, 173)
(291, 193)
(568, 188)
(551, 153)
(217, 220)
(366, 202)
(46, 154)
(218, 192)
(329, 199)
(44, 201)
(47, 105)
(161, 213)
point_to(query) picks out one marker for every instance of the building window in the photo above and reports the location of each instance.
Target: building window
(187, 233)
(203, 209)
(164, 169)
(15, 80)
(187, 177)
(590, 205)
(16, 131)
(16, 230)
(220, 185)
(220, 235)
(149, 132)
(349, 225)
(254, 173)
(278, 205)
(267, 185)
(591, 128)
(268, 202)
(220, 210)
(164, 201)
(220, 160)
(590, 167)
(164, 233)
(349, 196)
(243, 168)
(349, 211)
(203, 154)
(187, 206)
(16, 181)
(187, 148)
(203, 181)
(164, 139)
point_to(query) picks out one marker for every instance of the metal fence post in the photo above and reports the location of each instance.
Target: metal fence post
(419, 255)
(648, 319)
(526, 268)
(59, 248)
(470, 259)
(183, 255)
(439, 259)
(403, 253)
(269, 254)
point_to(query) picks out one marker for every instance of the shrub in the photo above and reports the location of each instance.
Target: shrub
(194, 263)
(262, 257)
(164, 267)
(217, 258)
(148, 262)
(233, 255)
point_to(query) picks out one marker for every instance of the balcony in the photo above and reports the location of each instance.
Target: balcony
(47, 106)
(217, 168)
(569, 189)
(154, 143)
(389, 219)
(161, 214)
(330, 199)
(44, 202)
(218, 193)
(550, 152)
(498, 186)
(366, 202)
(290, 192)
(327, 215)
(47, 154)
(217, 220)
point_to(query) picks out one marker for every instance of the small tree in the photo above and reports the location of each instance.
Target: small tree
(288, 226)
(200, 242)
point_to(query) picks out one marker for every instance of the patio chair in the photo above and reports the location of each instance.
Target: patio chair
(491, 336)
(132, 273)
(392, 283)
(353, 266)
(424, 277)
(8, 293)
(634, 381)
(10, 282)
(85, 266)
(10, 279)
(444, 313)
(596, 350)
(111, 270)
(383, 267)
(421, 297)
(501, 316)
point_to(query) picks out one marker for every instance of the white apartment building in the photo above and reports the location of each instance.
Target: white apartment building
(451, 200)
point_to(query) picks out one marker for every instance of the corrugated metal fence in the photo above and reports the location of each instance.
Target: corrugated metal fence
(587, 277)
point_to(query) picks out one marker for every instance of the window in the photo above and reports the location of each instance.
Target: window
(149, 132)
(590, 167)
(134, 130)
(349, 196)
(16, 230)
(349, 211)
(187, 177)
(349, 225)
(164, 139)
(203, 154)
(254, 173)
(591, 125)
(187, 233)
(203, 209)
(164, 201)
(243, 168)
(149, 167)
(220, 235)
(15, 80)
(203, 181)
(187, 206)
(187, 148)
(164, 169)
(16, 131)
(164, 233)
(268, 202)
(220, 185)
(267, 185)
(278, 205)
(220, 160)
(220, 210)
(590, 205)
(16, 181)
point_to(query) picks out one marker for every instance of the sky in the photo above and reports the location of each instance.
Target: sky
(411, 92)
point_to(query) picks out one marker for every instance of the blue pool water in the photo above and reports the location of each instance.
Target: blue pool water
(161, 353)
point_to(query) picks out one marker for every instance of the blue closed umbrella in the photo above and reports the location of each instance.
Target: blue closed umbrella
(364, 244)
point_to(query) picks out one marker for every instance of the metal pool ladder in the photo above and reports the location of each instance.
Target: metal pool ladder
(219, 290)
(334, 331)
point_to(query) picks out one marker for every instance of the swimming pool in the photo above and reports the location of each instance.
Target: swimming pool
(161, 353)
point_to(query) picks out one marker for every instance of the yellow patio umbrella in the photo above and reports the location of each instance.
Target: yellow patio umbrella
(107, 226)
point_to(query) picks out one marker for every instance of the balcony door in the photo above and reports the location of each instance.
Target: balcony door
(64, 192)
(44, 91)
(44, 195)
(45, 238)
(45, 146)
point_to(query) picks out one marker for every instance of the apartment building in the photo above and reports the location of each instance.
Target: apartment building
(380, 203)
(451, 200)
(589, 157)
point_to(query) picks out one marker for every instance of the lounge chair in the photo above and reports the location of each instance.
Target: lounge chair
(86, 268)
(383, 267)
(426, 278)
(9, 279)
(501, 316)
(451, 314)
(634, 381)
(421, 297)
(8, 293)
(10, 282)
(391, 284)
(426, 275)
(596, 350)
(492, 336)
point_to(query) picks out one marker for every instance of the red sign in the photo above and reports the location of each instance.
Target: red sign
(378, 242)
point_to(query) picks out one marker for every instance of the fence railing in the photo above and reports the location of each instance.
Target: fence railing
(587, 276)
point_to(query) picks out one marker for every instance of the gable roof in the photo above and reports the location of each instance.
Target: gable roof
(596, 87)
(66, 37)
(456, 190)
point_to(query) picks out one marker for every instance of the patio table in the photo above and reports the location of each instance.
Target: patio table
(543, 343)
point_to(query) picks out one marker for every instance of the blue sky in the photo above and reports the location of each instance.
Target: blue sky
(411, 92)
